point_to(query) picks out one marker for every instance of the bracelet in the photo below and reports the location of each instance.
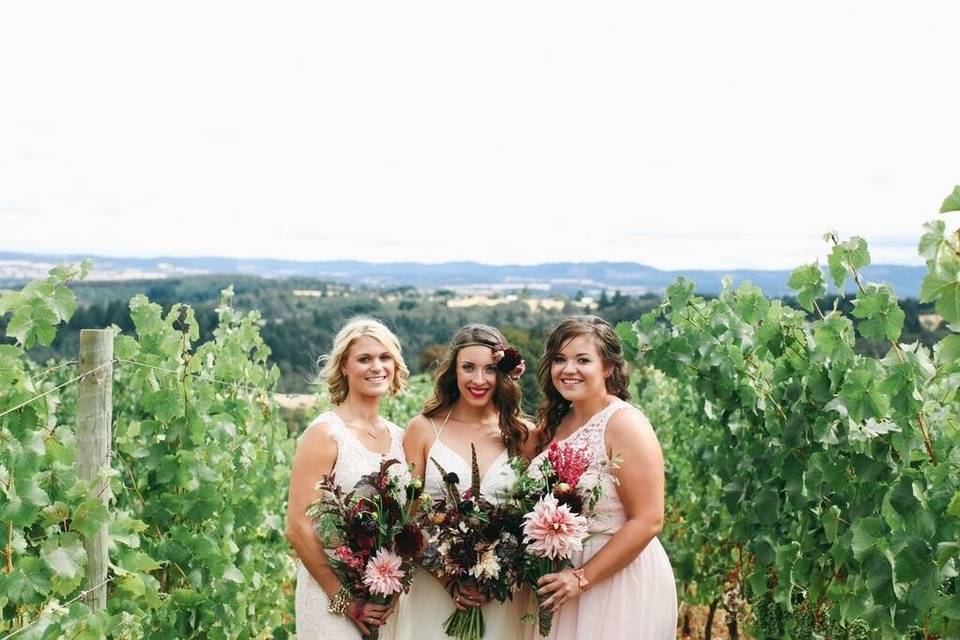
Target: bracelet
(339, 602)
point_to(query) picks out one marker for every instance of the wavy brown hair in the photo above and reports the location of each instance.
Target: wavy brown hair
(554, 406)
(506, 394)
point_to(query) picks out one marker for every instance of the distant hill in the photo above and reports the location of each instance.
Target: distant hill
(540, 279)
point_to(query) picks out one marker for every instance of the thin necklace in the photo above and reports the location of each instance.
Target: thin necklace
(375, 436)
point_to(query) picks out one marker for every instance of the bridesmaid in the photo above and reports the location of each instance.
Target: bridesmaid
(475, 400)
(622, 585)
(350, 441)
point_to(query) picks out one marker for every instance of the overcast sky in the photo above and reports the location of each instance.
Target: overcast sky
(681, 134)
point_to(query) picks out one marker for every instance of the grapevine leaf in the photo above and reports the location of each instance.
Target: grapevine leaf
(88, 517)
(831, 520)
(949, 352)
(951, 608)
(942, 286)
(186, 597)
(10, 367)
(952, 201)
(881, 318)
(954, 508)
(847, 257)
(67, 558)
(37, 574)
(10, 301)
(833, 337)
(136, 561)
(233, 574)
(679, 293)
(63, 302)
(934, 242)
(751, 303)
(809, 284)
(862, 393)
(867, 532)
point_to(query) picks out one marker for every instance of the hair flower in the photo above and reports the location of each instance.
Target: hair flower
(508, 360)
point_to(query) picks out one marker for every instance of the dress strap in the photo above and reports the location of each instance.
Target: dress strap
(437, 432)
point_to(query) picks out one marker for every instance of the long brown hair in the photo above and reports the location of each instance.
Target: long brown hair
(554, 406)
(506, 394)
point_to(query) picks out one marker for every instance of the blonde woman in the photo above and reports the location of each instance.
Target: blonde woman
(350, 441)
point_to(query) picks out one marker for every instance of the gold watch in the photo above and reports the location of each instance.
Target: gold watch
(581, 579)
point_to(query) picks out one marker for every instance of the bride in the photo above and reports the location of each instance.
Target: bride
(350, 441)
(476, 400)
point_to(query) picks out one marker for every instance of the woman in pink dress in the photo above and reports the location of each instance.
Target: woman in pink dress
(622, 585)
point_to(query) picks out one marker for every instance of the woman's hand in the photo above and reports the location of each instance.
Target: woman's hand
(561, 586)
(367, 614)
(468, 595)
(464, 596)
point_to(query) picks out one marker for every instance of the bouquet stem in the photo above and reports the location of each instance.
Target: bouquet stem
(465, 625)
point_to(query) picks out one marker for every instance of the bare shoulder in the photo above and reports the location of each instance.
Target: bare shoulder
(418, 429)
(316, 436)
(629, 426)
(529, 447)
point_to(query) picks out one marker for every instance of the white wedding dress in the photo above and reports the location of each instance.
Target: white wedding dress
(422, 613)
(354, 460)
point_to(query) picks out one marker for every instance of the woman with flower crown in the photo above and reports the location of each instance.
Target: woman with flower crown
(621, 584)
(476, 400)
(349, 441)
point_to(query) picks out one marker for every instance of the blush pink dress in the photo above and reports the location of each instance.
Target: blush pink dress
(640, 600)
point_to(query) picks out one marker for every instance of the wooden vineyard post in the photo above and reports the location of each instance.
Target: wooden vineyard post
(94, 418)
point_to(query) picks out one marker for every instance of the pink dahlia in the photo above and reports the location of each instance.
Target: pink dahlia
(551, 530)
(383, 574)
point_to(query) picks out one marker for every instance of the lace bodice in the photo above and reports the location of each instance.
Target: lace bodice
(354, 459)
(608, 514)
(494, 483)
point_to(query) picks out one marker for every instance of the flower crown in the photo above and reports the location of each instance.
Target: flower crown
(507, 359)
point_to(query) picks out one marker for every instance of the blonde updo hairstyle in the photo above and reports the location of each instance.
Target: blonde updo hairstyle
(332, 363)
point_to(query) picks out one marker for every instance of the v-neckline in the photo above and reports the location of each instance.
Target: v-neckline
(483, 476)
(356, 439)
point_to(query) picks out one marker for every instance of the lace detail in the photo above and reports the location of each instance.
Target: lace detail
(608, 514)
(354, 459)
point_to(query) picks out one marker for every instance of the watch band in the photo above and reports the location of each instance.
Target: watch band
(581, 579)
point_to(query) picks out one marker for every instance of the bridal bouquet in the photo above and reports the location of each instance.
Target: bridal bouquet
(373, 531)
(554, 499)
(472, 542)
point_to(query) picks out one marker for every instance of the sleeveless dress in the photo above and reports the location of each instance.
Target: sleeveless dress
(428, 605)
(640, 600)
(354, 460)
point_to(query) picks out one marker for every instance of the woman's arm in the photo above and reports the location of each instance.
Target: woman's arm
(632, 443)
(416, 444)
(315, 457)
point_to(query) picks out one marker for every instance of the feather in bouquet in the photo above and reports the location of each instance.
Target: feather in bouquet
(554, 503)
(374, 533)
(472, 542)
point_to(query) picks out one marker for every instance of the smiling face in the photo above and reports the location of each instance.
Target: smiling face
(578, 371)
(476, 374)
(368, 367)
